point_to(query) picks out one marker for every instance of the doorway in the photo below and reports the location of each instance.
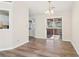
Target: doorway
(31, 28)
(54, 28)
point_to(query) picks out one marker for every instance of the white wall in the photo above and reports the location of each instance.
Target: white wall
(6, 34)
(18, 33)
(20, 23)
(40, 26)
(66, 24)
(75, 26)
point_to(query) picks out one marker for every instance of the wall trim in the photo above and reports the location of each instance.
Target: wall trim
(40, 38)
(75, 47)
(20, 44)
(5, 49)
(66, 40)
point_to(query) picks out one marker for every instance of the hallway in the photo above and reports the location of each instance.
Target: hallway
(42, 48)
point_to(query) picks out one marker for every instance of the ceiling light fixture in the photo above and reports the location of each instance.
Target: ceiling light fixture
(50, 11)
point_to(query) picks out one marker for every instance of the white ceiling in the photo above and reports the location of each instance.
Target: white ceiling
(39, 7)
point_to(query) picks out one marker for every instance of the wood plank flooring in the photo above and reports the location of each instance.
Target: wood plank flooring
(42, 48)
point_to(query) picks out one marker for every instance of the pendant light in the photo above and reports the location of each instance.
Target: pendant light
(50, 10)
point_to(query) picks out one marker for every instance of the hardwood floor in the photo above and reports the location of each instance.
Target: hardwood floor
(42, 48)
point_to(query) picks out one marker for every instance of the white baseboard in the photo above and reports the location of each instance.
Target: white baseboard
(21, 44)
(14, 46)
(6, 49)
(66, 40)
(75, 47)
